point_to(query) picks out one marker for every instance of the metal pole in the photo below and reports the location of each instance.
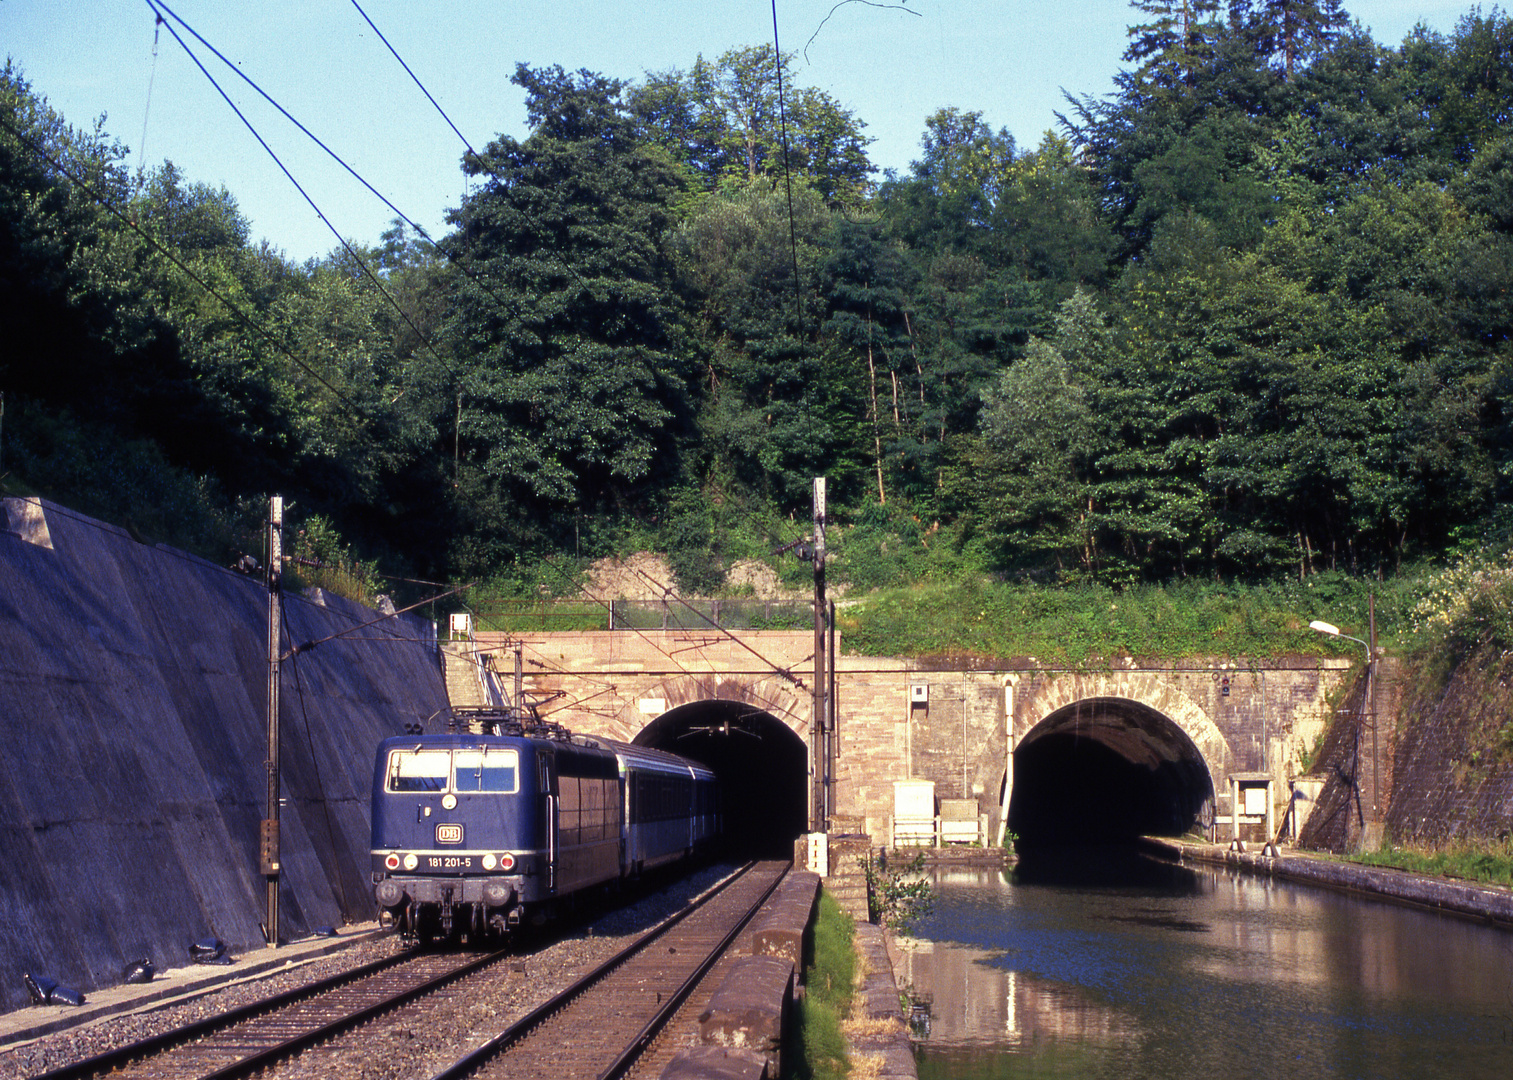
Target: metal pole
(817, 794)
(832, 728)
(519, 683)
(1370, 702)
(270, 829)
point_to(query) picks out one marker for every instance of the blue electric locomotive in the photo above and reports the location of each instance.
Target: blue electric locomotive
(476, 831)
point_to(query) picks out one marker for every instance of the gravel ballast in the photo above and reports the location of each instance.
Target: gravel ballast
(415, 1040)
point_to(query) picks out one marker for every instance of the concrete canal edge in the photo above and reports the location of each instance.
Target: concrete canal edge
(879, 1027)
(1487, 903)
(884, 1035)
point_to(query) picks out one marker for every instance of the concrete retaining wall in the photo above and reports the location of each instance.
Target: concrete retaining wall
(133, 763)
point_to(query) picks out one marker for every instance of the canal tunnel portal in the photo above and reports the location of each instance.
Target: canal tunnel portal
(762, 765)
(1106, 769)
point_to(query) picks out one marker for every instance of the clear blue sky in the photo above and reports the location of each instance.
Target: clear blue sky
(1009, 59)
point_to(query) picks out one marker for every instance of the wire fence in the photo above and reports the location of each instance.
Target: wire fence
(645, 615)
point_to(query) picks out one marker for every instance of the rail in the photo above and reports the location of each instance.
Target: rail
(244, 1040)
(590, 1019)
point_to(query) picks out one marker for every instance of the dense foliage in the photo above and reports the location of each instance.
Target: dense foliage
(1246, 317)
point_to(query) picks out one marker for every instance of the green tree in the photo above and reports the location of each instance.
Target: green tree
(724, 120)
(1290, 33)
(780, 405)
(570, 385)
(1040, 437)
(1173, 41)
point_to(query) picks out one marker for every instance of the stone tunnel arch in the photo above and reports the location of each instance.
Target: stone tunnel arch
(763, 766)
(1107, 769)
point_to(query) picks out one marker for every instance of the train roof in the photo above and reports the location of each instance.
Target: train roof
(647, 757)
(644, 757)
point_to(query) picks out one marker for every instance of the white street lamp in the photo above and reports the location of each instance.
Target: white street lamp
(1334, 631)
(1366, 698)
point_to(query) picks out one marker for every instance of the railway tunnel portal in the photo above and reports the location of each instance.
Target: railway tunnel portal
(1054, 755)
(762, 764)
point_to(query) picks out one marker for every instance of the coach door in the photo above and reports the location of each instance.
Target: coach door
(546, 784)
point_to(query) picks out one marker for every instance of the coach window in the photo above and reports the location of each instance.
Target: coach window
(489, 769)
(419, 770)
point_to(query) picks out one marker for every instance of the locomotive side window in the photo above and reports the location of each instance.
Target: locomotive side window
(419, 770)
(493, 770)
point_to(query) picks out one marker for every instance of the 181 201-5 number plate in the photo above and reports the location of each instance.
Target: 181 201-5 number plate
(449, 862)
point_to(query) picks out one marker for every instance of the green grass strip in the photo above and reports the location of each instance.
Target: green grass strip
(829, 982)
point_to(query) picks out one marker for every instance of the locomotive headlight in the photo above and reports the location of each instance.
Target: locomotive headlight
(411, 862)
(391, 862)
(506, 861)
(488, 862)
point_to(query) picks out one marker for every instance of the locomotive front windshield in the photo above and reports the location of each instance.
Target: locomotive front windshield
(485, 770)
(490, 769)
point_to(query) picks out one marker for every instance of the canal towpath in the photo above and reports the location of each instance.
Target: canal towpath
(1491, 903)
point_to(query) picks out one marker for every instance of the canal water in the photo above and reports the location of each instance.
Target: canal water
(1107, 963)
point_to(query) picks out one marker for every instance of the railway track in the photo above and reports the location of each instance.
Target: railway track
(265, 1032)
(598, 1027)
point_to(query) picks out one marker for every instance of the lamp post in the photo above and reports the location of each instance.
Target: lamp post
(1366, 698)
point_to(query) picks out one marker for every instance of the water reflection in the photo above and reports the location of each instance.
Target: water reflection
(1108, 963)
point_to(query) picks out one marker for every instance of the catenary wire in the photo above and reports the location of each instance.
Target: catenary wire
(477, 159)
(290, 117)
(356, 258)
(419, 229)
(668, 594)
(126, 220)
(793, 237)
(416, 79)
(152, 75)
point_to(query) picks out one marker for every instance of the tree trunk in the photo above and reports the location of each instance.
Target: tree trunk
(877, 439)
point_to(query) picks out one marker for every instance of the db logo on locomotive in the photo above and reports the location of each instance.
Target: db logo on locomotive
(449, 834)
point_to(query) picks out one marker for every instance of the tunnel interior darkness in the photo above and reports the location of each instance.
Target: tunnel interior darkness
(1106, 770)
(762, 764)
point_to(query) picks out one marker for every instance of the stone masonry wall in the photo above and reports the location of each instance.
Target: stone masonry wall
(616, 682)
(1454, 757)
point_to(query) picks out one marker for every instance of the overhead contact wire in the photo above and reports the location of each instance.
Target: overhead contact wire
(416, 79)
(126, 220)
(288, 116)
(297, 186)
(477, 158)
(668, 594)
(420, 229)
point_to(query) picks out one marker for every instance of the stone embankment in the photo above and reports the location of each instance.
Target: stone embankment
(1487, 902)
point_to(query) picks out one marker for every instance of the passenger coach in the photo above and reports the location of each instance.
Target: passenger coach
(475, 832)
